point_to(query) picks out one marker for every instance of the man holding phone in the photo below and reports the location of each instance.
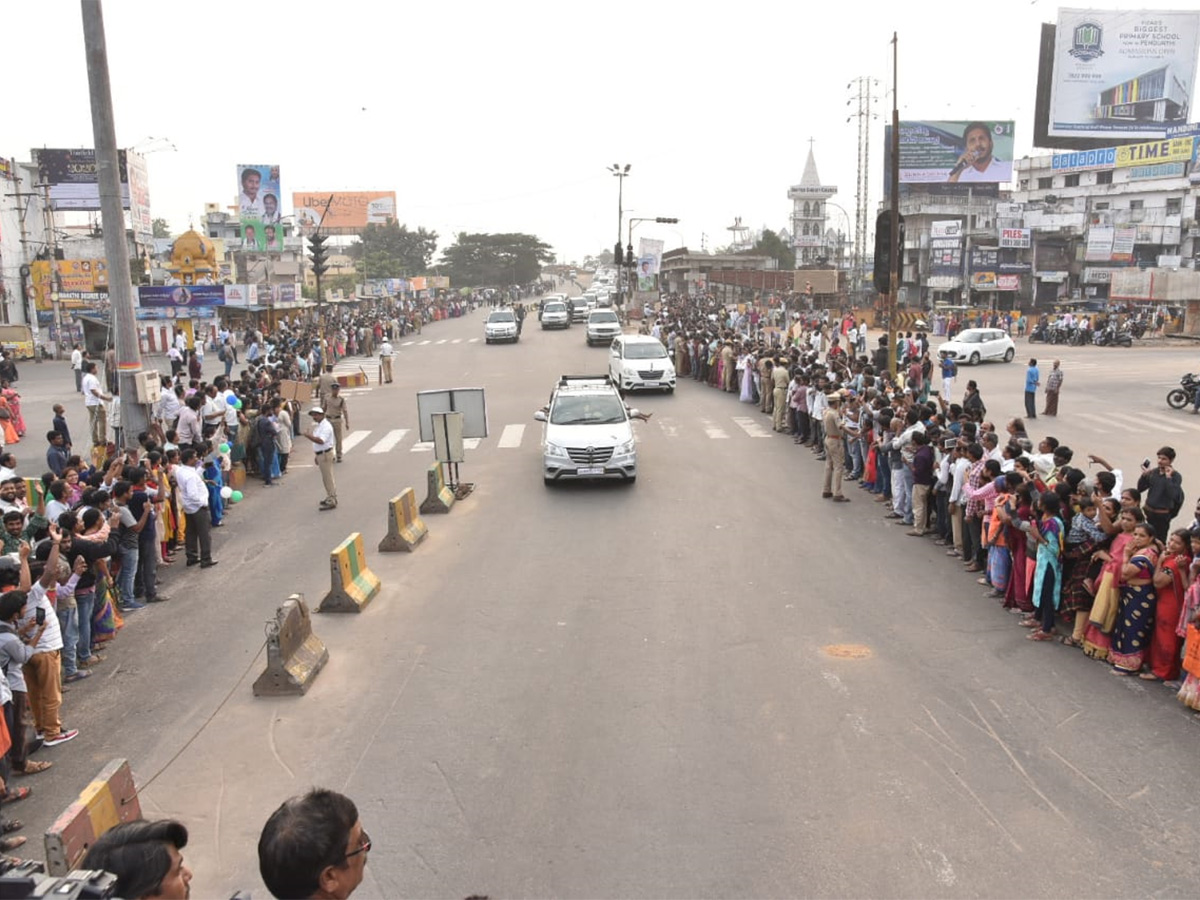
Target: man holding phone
(1162, 488)
(43, 672)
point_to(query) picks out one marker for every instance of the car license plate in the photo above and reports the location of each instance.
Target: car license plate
(590, 471)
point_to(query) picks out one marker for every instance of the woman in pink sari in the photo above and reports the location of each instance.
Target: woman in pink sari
(1097, 640)
(14, 406)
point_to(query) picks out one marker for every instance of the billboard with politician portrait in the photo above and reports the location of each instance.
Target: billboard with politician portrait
(343, 212)
(956, 152)
(259, 207)
(1122, 73)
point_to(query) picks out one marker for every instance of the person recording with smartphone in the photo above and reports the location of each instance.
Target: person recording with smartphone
(1162, 489)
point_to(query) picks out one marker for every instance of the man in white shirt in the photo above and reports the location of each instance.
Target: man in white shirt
(193, 498)
(385, 361)
(43, 672)
(93, 401)
(322, 437)
(958, 477)
(77, 367)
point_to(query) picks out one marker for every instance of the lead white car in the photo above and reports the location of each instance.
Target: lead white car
(587, 432)
(975, 345)
(501, 325)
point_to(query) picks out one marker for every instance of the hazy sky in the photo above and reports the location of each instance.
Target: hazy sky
(503, 116)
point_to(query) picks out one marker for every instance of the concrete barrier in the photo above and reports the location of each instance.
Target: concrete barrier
(294, 654)
(354, 379)
(406, 529)
(109, 800)
(352, 584)
(440, 498)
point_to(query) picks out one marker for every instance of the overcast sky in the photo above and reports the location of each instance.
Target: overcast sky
(503, 116)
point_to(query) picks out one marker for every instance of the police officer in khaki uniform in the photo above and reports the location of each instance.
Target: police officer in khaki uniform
(325, 382)
(338, 415)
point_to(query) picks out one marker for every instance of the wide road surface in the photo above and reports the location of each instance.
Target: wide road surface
(710, 684)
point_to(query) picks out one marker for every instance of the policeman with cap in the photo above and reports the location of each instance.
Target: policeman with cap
(323, 440)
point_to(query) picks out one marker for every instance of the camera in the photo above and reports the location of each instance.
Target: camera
(27, 878)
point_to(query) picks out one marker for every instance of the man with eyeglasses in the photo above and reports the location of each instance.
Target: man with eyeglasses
(314, 846)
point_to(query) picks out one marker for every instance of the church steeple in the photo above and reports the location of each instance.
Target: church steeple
(809, 214)
(810, 178)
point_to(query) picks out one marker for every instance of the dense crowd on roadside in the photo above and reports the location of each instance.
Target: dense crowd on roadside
(1092, 561)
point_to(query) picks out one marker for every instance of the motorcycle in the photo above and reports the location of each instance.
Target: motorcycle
(1110, 337)
(1185, 394)
(1038, 334)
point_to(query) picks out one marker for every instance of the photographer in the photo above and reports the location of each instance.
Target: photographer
(145, 858)
(1162, 488)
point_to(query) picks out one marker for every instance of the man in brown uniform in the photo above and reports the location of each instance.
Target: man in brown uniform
(338, 415)
(780, 379)
(835, 450)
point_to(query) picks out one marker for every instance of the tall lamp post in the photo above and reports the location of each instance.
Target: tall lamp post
(620, 173)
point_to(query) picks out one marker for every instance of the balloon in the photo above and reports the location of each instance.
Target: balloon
(235, 497)
(224, 448)
(226, 492)
(237, 404)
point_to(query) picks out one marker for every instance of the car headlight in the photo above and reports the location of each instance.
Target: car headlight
(627, 448)
(555, 450)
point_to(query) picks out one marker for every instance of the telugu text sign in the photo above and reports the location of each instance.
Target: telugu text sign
(71, 175)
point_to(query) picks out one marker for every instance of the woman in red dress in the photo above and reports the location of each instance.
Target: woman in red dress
(1170, 580)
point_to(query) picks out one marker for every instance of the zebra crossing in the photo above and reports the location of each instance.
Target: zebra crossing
(518, 435)
(369, 365)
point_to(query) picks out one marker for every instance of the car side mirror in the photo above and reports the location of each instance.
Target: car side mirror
(540, 415)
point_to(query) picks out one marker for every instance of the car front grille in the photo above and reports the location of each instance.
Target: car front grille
(649, 374)
(589, 456)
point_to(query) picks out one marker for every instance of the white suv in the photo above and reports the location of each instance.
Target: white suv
(587, 432)
(602, 326)
(639, 362)
(501, 325)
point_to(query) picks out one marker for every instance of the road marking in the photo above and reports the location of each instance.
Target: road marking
(714, 431)
(1103, 423)
(1140, 423)
(456, 341)
(669, 427)
(511, 436)
(423, 343)
(473, 341)
(353, 439)
(751, 427)
(442, 341)
(389, 440)
(1169, 423)
(408, 343)
(471, 443)
(421, 447)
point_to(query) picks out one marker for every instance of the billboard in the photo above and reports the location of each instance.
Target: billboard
(349, 212)
(1021, 238)
(956, 152)
(947, 228)
(1123, 73)
(1100, 243)
(139, 197)
(79, 282)
(71, 175)
(181, 295)
(258, 207)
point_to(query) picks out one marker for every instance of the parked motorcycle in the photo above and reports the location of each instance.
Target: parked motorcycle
(1185, 394)
(1110, 337)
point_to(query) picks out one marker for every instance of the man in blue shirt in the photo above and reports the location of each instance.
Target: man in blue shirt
(1032, 380)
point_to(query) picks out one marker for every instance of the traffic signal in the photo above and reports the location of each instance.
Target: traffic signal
(320, 262)
(618, 255)
(630, 260)
(883, 250)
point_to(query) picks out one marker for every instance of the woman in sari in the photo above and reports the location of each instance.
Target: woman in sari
(6, 423)
(75, 487)
(1016, 595)
(1170, 581)
(14, 406)
(1080, 571)
(1097, 640)
(1000, 559)
(1135, 612)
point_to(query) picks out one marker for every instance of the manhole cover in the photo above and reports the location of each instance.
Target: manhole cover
(847, 651)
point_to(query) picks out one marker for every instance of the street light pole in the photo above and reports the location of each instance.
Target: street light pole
(620, 173)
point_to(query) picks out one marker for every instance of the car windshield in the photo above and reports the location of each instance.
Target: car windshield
(499, 316)
(604, 317)
(555, 307)
(592, 409)
(649, 350)
(971, 337)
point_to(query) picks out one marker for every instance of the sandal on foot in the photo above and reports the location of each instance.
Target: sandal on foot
(11, 825)
(33, 766)
(1147, 676)
(15, 796)
(1039, 636)
(12, 843)
(1069, 641)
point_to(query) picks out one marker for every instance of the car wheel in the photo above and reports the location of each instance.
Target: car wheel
(975, 358)
(1009, 354)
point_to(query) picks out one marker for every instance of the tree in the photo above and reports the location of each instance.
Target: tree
(475, 260)
(771, 245)
(160, 229)
(392, 251)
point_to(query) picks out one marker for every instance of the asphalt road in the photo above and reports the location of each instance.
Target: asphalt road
(637, 691)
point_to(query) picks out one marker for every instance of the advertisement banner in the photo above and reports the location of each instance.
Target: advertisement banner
(349, 212)
(6, 169)
(1008, 282)
(139, 198)
(649, 260)
(1104, 158)
(1021, 238)
(1154, 152)
(956, 152)
(1129, 73)
(945, 262)
(952, 228)
(1009, 210)
(985, 259)
(1163, 170)
(79, 282)
(71, 175)
(241, 294)
(1122, 246)
(258, 207)
(983, 281)
(1100, 243)
(182, 295)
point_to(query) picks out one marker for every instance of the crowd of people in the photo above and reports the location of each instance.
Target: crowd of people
(1092, 562)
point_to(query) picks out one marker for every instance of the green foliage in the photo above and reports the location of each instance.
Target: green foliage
(392, 251)
(160, 229)
(771, 245)
(475, 260)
